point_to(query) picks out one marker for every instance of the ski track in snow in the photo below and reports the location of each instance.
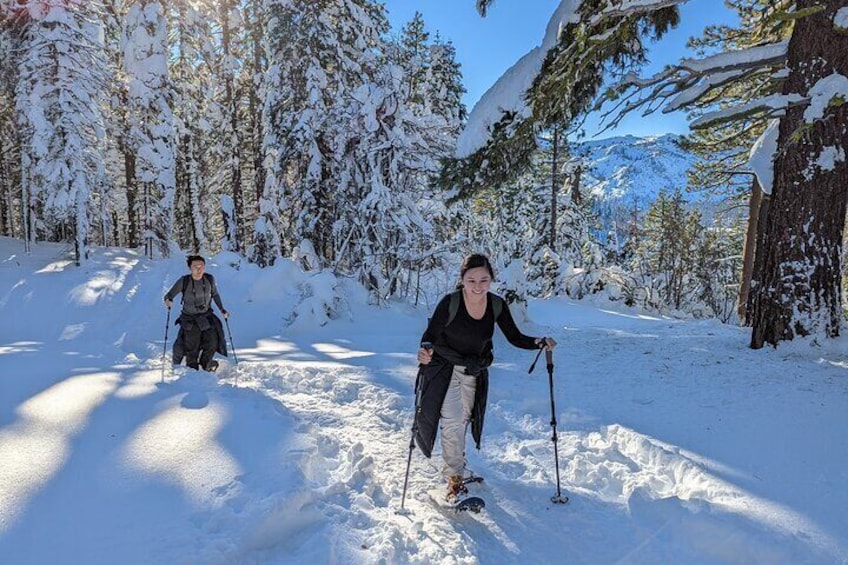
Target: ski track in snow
(356, 484)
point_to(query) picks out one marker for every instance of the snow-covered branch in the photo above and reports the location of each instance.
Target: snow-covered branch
(625, 8)
(686, 84)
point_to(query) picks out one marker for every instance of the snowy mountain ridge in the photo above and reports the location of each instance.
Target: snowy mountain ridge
(633, 170)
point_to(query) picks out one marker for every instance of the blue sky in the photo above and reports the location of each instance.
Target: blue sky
(486, 47)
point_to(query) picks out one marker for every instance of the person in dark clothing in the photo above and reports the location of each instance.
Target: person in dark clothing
(455, 355)
(201, 333)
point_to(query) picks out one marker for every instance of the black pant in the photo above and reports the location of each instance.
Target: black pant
(199, 343)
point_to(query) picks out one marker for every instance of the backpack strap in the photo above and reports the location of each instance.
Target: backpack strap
(453, 307)
(186, 278)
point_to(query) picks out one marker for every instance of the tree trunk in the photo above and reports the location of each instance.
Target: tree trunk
(748, 249)
(554, 187)
(133, 233)
(5, 193)
(256, 106)
(759, 260)
(801, 290)
(575, 185)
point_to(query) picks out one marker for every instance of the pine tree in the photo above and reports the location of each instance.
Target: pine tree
(444, 86)
(666, 257)
(607, 38)
(151, 121)
(320, 52)
(191, 63)
(265, 246)
(414, 57)
(231, 129)
(58, 108)
(10, 173)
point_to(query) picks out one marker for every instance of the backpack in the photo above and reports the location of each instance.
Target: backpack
(453, 307)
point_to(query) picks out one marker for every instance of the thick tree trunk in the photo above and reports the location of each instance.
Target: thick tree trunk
(800, 294)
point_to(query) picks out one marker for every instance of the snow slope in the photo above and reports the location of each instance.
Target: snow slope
(677, 443)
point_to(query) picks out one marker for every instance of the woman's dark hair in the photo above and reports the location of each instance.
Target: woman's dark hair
(472, 262)
(192, 258)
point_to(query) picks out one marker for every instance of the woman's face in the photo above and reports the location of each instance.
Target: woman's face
(197, 269)
(476, 281)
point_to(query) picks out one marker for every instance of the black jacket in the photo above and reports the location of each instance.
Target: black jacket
(431, 386)
(467, 343)
(199, 322)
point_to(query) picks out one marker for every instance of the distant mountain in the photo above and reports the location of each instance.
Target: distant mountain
(634, 169)
(624, 175)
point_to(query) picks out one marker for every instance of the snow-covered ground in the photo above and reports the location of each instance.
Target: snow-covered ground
(677, 443)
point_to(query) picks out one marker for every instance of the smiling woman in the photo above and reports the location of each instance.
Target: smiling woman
(453, 379)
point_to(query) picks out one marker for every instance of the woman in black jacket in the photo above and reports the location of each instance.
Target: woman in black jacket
(455, 353)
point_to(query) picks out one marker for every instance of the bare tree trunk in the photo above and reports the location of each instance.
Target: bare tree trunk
(133, 235)
(759, 259)
(575, 185)
(256, 105)
(5, 193)
(801, 290)
(554, 187)
(749, 248)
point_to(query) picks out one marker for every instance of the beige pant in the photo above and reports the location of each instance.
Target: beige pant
(456, 413)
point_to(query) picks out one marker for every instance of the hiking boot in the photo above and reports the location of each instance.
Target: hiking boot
(455, 488)
(212, 366)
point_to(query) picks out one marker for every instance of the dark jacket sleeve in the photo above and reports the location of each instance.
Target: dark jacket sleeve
(512, 333)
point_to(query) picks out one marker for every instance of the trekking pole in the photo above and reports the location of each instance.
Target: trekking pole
(411, 444)
(233, 345)
(165, 345)
(549, 357)
(425, 345)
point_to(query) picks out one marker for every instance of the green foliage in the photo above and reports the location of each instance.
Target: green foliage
(570, 78)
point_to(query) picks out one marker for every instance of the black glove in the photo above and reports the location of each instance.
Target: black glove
(487, 358)
(473, 366)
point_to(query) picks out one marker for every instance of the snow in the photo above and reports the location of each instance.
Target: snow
(822, 93)
(841, 18)
(762, 155)
(829, 157)
(751, 56)
(677, 443)
(774, 104)
(507, 95)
